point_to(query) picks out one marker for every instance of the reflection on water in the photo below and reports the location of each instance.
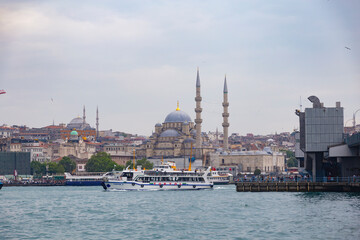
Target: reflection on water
(221, 213)
(329, 196)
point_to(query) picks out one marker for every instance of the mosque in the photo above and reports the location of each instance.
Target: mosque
(178, 135)
(173, 138)
(83, 129)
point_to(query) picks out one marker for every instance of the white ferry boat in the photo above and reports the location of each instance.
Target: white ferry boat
(163, 177)
(219, 178)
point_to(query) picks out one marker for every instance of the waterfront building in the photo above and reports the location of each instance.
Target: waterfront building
(326, 152)
(76, 146)
(248, 161)
(320, 128)
(346, 155)
(11, 161)
(119, 153)
(36, 151)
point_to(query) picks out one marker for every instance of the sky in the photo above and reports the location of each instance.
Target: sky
(135, 59)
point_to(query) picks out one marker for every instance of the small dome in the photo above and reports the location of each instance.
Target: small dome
(177, 116)
(170, 133)
(158, 125)
(193, 132)
(74, 133)
(189, 140)
(186, 123)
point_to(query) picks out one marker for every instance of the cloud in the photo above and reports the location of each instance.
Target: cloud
(135, 59)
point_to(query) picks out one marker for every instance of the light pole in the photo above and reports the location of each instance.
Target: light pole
(354, 121)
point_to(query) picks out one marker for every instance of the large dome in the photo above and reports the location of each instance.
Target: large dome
(177, 116)
(78, 124)
(76, 121)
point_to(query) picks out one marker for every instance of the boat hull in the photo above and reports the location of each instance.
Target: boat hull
(83, 183)
(221, 183)
(131, 185)
(1, 185)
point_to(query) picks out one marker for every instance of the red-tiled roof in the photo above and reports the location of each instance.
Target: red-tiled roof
(54, 127)
(92, 143)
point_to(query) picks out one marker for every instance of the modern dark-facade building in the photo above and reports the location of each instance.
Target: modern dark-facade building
(11, 161)
(320, 128)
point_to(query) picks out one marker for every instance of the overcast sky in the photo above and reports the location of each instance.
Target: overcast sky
(135, 59)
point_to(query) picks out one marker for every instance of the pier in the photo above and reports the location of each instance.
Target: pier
(297, 186)
(35, 184)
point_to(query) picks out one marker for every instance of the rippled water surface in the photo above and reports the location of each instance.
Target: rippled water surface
(221, 213)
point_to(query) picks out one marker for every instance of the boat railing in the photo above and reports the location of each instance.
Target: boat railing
(354, 179)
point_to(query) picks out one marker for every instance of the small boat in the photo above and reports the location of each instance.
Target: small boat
(219, 178)
(162, 177)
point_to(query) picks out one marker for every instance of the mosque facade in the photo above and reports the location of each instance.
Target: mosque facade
(178, 135)
(175, 137)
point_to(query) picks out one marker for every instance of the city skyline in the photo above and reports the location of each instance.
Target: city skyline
(135, 60)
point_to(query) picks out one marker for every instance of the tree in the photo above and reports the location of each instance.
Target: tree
(144, 163)
(119, 167)
(292, 162)
(37, 168)
(257, 172)
(288, 153)
(68, 164)
(100, 162)
(55, 168)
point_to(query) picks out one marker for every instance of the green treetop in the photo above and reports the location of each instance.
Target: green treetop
(101, 162)
(68, 164)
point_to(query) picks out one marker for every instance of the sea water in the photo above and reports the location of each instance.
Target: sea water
(221, 213)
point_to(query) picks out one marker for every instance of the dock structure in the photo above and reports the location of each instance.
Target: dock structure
(298, 187)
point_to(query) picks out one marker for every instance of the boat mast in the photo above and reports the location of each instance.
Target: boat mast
(190, 156)
(134, 160)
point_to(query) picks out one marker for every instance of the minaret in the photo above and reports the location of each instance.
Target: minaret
(217, 136)
(226, 117)
(84, 117)
(198, 119)
(97, 122)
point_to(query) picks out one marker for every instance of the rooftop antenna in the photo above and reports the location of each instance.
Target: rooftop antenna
(300, 105)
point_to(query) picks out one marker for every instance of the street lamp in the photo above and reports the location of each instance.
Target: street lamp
(354, 121)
